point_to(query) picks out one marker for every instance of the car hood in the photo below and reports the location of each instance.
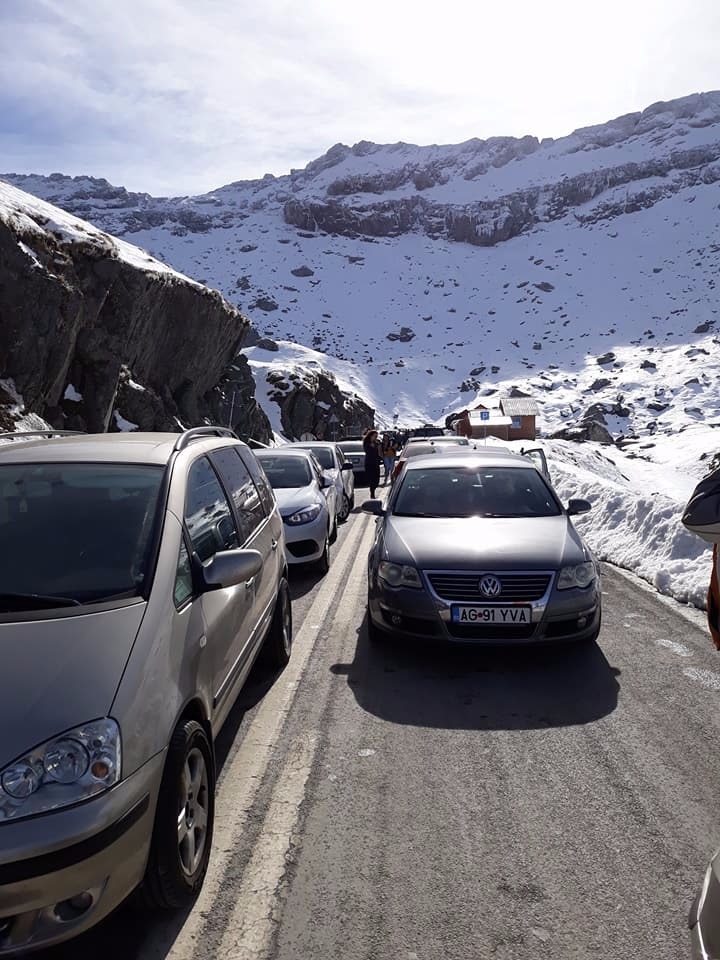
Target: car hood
(59, 673)
(292, 499)
(483, 542)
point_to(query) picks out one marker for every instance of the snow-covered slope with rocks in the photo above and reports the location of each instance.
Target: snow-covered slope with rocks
(451, 271)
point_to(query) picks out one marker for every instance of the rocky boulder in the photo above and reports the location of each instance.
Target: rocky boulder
(312, 402)
(94, 334)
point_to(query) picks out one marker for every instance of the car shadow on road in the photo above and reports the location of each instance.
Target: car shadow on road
(473, 688)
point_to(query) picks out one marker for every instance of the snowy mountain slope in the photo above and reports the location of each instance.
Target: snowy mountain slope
(603, 241)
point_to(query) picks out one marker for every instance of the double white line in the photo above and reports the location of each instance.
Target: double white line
(253, 920)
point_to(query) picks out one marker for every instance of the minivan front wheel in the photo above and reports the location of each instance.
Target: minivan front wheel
(278, 643)
(182, 836)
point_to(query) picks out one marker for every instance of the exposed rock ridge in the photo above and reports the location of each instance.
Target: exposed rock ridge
(91, 339)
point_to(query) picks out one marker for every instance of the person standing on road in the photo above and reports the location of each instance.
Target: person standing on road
(389, 450)
(372, 460)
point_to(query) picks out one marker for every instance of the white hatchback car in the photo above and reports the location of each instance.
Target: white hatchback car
(307, 502)
(338, 469)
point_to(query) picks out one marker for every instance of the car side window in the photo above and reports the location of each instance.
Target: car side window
(208, 516)
(267, 497)
(183, 578)
(243, 492)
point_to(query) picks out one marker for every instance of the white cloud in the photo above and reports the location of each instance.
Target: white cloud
(180, 96)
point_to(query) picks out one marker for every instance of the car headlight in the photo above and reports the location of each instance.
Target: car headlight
(398, 575)
(581, 575)
(305, 515)
(65, 770)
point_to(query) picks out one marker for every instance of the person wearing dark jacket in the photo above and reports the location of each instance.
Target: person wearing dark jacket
(372, 460)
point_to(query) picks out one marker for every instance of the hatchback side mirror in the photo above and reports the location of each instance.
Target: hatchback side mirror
(375, 507)
(228, 568)
(326, 482)
(346, 466)
(578, 506)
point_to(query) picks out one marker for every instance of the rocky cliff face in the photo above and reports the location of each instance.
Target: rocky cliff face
(96, 335)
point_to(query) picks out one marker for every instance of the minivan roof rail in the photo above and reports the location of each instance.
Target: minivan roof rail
(197, 433)
(22, 434)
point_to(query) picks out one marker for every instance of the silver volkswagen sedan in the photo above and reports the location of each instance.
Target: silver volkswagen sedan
(478, 548)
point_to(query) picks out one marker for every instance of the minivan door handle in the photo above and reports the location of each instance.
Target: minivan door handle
(249, 584)
(274, 543)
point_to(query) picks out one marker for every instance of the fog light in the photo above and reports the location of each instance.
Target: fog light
(74, 907)
(396, 619)
(581, 622)
(5, 925)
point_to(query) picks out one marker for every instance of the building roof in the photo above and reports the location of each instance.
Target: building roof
(519, 407)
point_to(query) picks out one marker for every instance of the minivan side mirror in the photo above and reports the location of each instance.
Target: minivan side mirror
(578, 506)
(375, 507)
(228, 568)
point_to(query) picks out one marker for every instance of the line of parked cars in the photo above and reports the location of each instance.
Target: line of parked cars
(142, 575)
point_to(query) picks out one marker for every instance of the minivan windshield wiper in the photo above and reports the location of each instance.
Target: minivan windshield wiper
(11, 602)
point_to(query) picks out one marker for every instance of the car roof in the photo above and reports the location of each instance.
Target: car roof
(307, 444)
(131, 447)
(289, 451)
(463, 459)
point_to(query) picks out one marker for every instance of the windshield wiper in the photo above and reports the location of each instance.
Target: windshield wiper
(10, 602)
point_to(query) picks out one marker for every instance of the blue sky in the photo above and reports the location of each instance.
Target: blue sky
(180, 96)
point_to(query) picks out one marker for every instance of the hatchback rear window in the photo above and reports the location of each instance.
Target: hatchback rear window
(74, 532)
(286, 472)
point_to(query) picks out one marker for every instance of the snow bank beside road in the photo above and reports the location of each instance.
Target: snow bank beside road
(631, 525)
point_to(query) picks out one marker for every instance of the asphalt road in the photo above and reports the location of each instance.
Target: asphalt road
(409, 803)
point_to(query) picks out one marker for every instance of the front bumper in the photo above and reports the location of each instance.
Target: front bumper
(562, 615)
(305, 542)
(63, 872)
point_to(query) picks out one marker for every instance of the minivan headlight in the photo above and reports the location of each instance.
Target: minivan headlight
(398, 575)
(580, 575)
(305, 515)
(75, 766)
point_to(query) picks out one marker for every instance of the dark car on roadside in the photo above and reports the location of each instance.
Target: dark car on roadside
(476, 547)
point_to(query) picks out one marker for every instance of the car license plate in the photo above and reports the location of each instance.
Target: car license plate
(501, 616)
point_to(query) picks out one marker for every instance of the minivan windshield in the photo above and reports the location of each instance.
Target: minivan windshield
(286, 472)
(459, 491)
(74, 533)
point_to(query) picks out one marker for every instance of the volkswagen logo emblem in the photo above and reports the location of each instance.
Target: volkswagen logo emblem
(490, 586)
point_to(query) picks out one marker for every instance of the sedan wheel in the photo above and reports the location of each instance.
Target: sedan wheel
(323, 564)
(344, 511)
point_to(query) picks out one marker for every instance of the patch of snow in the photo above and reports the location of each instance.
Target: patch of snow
(122, 423)
(72, 394)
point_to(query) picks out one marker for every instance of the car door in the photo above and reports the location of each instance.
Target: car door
(348, 477)
(227, 614)
(256, 532)
(537, 455)
(327, 489)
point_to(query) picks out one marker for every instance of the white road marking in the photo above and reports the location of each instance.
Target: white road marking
(679, 648)
(706, 678)
(255, 914)
(253, 922)
(242, 779)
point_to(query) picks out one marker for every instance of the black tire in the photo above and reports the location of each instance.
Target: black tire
(278, 643)
(176, 870)
(323, 563)
(333, 532)
(352, 501)
(344, 509)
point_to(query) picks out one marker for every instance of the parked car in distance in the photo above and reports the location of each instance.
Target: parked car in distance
(338, 469)
(307, 501)
(419, 447)
(354, 453)
(142, 574)
(476, 547)
(429, 430)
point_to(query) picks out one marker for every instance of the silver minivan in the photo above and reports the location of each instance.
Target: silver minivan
(140, 576)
